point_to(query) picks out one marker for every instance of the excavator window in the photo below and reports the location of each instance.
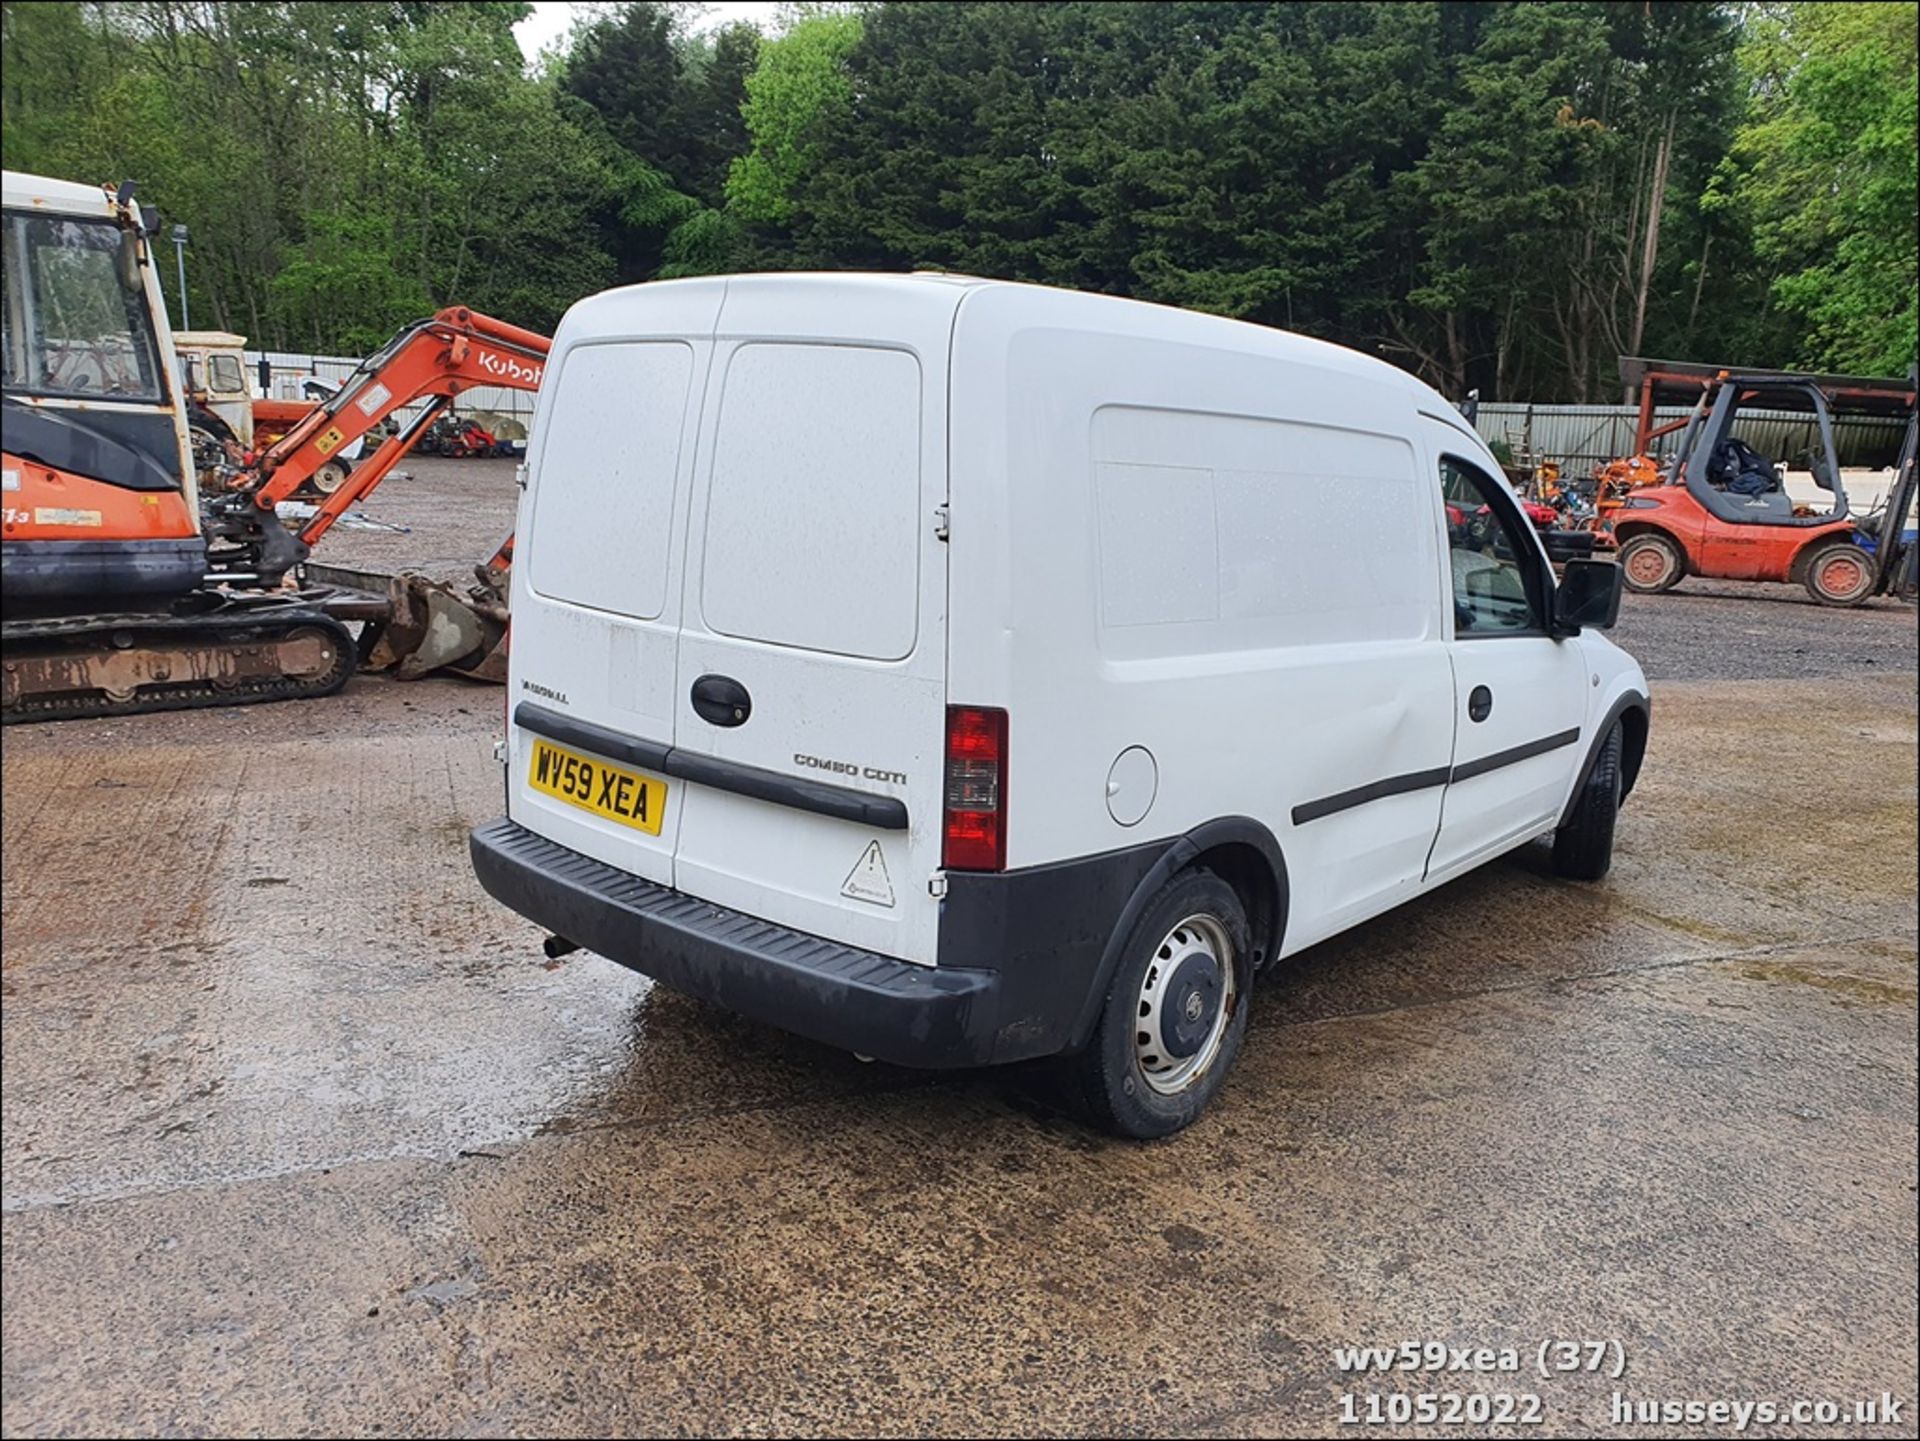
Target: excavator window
(73, 328)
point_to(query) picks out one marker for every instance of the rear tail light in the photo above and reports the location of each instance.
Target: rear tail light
(976, 789)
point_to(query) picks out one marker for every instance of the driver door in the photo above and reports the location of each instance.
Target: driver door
(1519, 694)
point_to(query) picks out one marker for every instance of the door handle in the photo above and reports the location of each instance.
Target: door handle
(1479, 703)
(721, 700)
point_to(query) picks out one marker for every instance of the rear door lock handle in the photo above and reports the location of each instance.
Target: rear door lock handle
(1479, 703)
(721, 700)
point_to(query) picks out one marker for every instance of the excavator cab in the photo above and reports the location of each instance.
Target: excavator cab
(100, 496)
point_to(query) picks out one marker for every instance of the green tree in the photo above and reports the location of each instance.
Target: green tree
(1826, 172)
(1499, 195)
(626, 66)
(797, 92)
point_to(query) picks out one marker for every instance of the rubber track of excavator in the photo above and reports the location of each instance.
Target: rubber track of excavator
(238, 627)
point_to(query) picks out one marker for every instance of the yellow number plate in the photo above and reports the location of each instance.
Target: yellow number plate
(599, 786)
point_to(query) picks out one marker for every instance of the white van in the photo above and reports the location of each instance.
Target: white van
(961, 672)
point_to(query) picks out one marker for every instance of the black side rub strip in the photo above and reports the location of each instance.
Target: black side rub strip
(556, 726)
(1518, 753)
(1422, 780)
(1360, 795)
(884, 812)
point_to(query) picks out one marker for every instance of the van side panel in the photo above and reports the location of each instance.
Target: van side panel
(1172, 533)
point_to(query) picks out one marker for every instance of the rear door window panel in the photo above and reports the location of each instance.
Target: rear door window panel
(813, 523)
(603, 514)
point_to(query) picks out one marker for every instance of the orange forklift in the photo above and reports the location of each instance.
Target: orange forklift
(1721, 509)
(128, 587)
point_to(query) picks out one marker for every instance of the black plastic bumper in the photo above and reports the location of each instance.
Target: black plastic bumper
(932, 1016)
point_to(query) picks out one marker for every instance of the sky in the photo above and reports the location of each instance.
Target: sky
(551, 18)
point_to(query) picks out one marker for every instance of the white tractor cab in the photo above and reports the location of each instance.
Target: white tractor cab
(225, 415)
(961, 672)
(213, 372)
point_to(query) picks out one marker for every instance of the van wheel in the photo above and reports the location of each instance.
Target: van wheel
(1650, 563)
(1583, 847)
(1175, 1014)
(1839, 573)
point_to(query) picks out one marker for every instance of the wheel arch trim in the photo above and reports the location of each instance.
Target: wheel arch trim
(1221, 833)
(1634, 734)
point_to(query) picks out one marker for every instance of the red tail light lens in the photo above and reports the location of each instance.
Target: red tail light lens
(976, 794)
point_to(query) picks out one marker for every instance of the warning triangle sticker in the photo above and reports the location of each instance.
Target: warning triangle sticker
(869, 881)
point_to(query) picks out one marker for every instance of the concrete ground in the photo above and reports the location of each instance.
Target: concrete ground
(303, 1136)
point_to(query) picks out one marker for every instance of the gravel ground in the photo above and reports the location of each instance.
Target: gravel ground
(1725, 630)
(458, 511)
(454, 513)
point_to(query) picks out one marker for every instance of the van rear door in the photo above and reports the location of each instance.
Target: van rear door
(597, 587)
(810, 703)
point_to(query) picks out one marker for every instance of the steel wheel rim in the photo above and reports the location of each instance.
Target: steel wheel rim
(1649, 563)
(1197, 936)
(1847, 570)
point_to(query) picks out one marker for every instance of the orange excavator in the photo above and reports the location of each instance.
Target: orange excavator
(126, 588)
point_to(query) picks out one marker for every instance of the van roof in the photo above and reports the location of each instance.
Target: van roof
(1093, 309)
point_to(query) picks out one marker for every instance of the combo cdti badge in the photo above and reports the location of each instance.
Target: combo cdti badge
(961, 672)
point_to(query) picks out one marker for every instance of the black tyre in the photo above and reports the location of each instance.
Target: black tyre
(1175, 1014)
(1839, 573)
(1583, 847)
(1651, 563)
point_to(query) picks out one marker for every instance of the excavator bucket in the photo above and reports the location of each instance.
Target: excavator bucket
(435, 627)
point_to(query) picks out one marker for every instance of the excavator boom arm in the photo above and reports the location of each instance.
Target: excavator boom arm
(437, 359)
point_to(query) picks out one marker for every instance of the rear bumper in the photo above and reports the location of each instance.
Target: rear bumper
(932, 1016)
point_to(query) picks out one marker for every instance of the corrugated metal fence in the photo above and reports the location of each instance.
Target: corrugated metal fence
(289, 369)
(1580, 437)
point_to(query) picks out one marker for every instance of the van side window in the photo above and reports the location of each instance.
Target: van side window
(1496, 590)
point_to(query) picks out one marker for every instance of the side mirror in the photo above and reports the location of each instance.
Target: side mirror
(1588, 595)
